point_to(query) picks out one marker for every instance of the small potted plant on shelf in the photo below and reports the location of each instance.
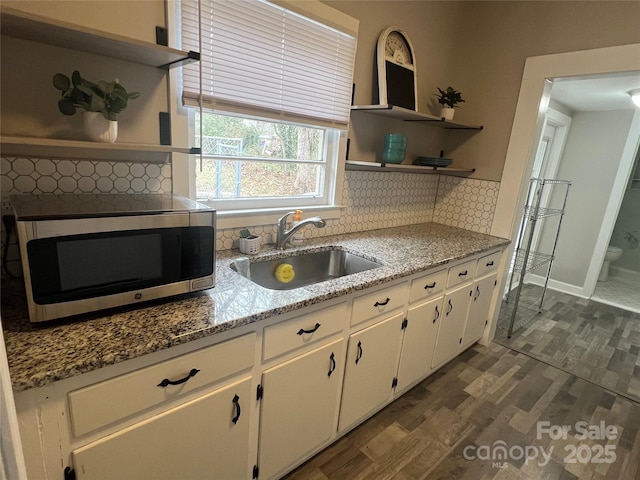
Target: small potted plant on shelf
(101, 103)
(449, 100)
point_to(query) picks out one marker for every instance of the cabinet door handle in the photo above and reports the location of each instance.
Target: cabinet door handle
(166, 381)
(359, 354)
(437, 315)
(477, 293)
(302, 330)
(450, 308)
(236, 403)
(490, 264)
(426, 287)
(332, 364)
(463, 274)
(382, 304)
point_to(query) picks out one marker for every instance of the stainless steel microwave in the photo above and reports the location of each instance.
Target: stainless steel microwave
(83, 253)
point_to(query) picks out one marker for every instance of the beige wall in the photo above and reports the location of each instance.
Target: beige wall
(480, 48)
(114, 16)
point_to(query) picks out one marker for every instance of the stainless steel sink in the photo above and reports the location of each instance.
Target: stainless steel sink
(309, 268)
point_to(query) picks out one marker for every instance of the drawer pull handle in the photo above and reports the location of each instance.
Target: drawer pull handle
(490, 264)
(382, 304)
(426, 287)
(463, 274)
(332, 363)
(166, 381)
(450, 308)
(359, 354)
(236, 403)
(437, 315)
(477, 293)
(302, 330)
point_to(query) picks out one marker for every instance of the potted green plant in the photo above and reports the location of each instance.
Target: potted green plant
(101, 103)
(449, 100)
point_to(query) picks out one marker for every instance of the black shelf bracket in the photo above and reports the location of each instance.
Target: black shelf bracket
(191, 57)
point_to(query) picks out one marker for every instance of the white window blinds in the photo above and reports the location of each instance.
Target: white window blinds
(261, 58)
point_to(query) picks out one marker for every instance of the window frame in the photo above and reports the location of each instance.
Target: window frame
(331, 149)
(241, 213)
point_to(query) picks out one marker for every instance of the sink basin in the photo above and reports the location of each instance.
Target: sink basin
(309, 268)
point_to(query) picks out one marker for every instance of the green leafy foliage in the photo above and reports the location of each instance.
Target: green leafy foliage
(449, 97)
(108, 98)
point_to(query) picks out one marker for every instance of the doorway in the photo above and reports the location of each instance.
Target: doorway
(568, 320)
(622, 284)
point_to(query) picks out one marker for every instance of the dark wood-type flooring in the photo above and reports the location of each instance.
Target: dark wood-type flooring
(576, 360)
(486, 398)
(591, 340)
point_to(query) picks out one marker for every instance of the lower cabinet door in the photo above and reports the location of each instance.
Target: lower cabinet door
(419, 342)
(452, 322)
(299, 407)
(372, 362)
(478, 317)
(205, 438)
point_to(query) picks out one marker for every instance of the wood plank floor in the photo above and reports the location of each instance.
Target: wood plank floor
(451, 425)
(592, 340)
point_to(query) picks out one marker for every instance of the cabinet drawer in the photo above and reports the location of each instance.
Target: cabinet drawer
(488, 263)
(305, 330)
(428, 286)
(461, 273)
(112, 400)
(379, 302)
(178, 443)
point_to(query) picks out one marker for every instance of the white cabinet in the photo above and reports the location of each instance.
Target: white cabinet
(461, 273)
(477, 320)
(103, 403)
(303, 331)
(419, 342)
(428, 286)
(452, 323)
(379, 302)
(371, 364)
(299, 407)
(204, 438)
(181, 441)
(320, 373)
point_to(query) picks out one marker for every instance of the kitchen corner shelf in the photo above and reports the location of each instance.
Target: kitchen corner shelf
(74, 149)
(27, 26)
(394, 167)
(404, 114)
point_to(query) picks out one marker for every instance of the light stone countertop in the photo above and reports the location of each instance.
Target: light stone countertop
(40, 354)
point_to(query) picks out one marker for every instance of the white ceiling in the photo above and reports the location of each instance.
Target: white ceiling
(596, 93)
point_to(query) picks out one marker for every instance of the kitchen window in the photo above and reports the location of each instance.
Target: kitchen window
(269, 100)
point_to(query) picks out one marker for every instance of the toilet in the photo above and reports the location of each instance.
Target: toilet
(613, 254)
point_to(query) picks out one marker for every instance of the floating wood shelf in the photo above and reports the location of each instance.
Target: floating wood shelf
(73, 149)
(27, 26)
(399, 113)
(394, 167)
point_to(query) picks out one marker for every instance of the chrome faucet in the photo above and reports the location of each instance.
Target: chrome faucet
(283, 235)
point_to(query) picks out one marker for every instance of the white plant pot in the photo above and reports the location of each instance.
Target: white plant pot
(98, 128)
(447, 113)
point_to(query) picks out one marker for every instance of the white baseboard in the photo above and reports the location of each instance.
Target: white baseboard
(558, 286)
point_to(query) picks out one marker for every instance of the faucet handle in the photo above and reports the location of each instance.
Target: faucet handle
(283, 219)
